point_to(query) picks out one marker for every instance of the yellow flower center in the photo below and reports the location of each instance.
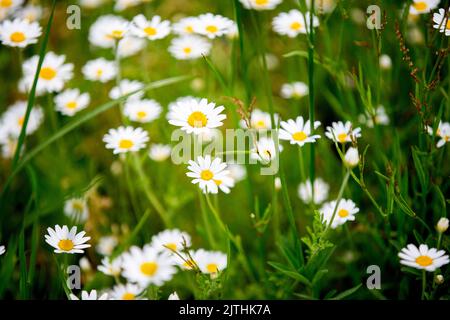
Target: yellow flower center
(343, 213)
(150, 31)
(20, 121)
(296, 26)
(141, 114)
(149, 268)
(125, 144)
(342, 137)
(206, 175)
(187, 50)
(172, 246)
(197, 119)
(420, 6)
(47, 73)
(17, 37)
(99, 72)
(212, 268)
(189, 29)
(71, 105)
(260, 124)
(128, 296)
(261, 2)
(424, 261)
(116, 34)
(66, 244)
(448, 24)
(77, 206)
(218, 182)
(212, 29)
(299, 136)
(5, 3)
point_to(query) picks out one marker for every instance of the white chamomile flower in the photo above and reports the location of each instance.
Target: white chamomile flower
(184, 99)
(30, 12)
(423, 6)
(265, 150)
(2, 250)
(89, 296)
(125, 4)
(260, 120)
(443, 132)
(52, 77)
(321, 189)
(125, 139)
(344, 212)
(297, 131)
(111, 267)
(107, 30)
(19, 32)
(323, 6)
(143, 111)
(173, 296)
(8, 147)
(106, 245)
(126, 87)
(185, 26)
(159, 152)
(8, 6)
(67, 241)
(150, 29)
(442, 22)
(260, 4)
(12, 120)
(70, 101)
(129, 46)
(196, 116)
(342, 133)
(171, 240)
(100, 70)
(380, 117)
(212, 26)
(189, 47)
(147, 266)
(295, 90)
(76, 209)
(237, 171)
(210, 262)
(293, 23)
(423, 258)
(208, 173)
(127, 291)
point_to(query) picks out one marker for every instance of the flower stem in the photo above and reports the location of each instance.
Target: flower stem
(424, 284)
(341, 192)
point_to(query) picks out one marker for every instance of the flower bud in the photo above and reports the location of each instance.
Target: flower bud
(439, 279)
(442, 225)
(351, 158)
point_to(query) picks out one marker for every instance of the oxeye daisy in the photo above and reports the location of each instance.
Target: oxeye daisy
(111, 267)
(76, 209)
(121, 5)
(185, 26)
(196, 116)
(143, 111)
(126, 87)
(294, 90)
(423, 258)
(126, 139)
(70, 101)
(443, 132)
(208, 173)
(344, 212)
(30, 12)
(85, 295)
(293, 23)
(321, 189)
(171, 240)
(298, 132)
(150, 29)
(147, 266)
(380, 117)
(67, 241)
(52, 77)
(100, 70)
(211, 262)
(19, 32)
(189, 47)
(107, 30)
(423, 6)
(129, 46)
(265, 150)
(259, 120)
(212, 26)
(2, 250)
(441, 21)
(173, 296)
(125, 292)
(8, 6)
(106, 245)
(14, 118)
(260, 4)
(342, 133)
(159, 152)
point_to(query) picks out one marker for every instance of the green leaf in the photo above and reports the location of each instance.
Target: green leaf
(291, 274)
(347, 293)
(420, 170)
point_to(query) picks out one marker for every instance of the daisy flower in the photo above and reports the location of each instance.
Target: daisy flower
(2, 250)
(65, 240)
(189, 47)
(171, 240)
(100, 70)
(295, 90)
(185, 26)
(260, 4)
(129, 46)
(153, 29)
(423, 6)
(125, 4)
(443, 132)
(211, 262)
(89, 296)
(8, 6)
(342, 133)
(196, 116)
(30, 12)
(259, 120)
(147, 266)
(293, 23)
(107, 30)
(208, 173)
(71, 101)
(212, 26)
(126, 87)
(298, 132)
(183, 99)
(19, 32)
(14, 118)
(125, 139)
(423, 258)
(76, 209)
(143, 111)
(380, 117)
(173, 296)
(106, 245)
(111, 267)
(265, 150)
(321, 189)
(442, 22)
(159, 152)
(344, 212)
(125, 292)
